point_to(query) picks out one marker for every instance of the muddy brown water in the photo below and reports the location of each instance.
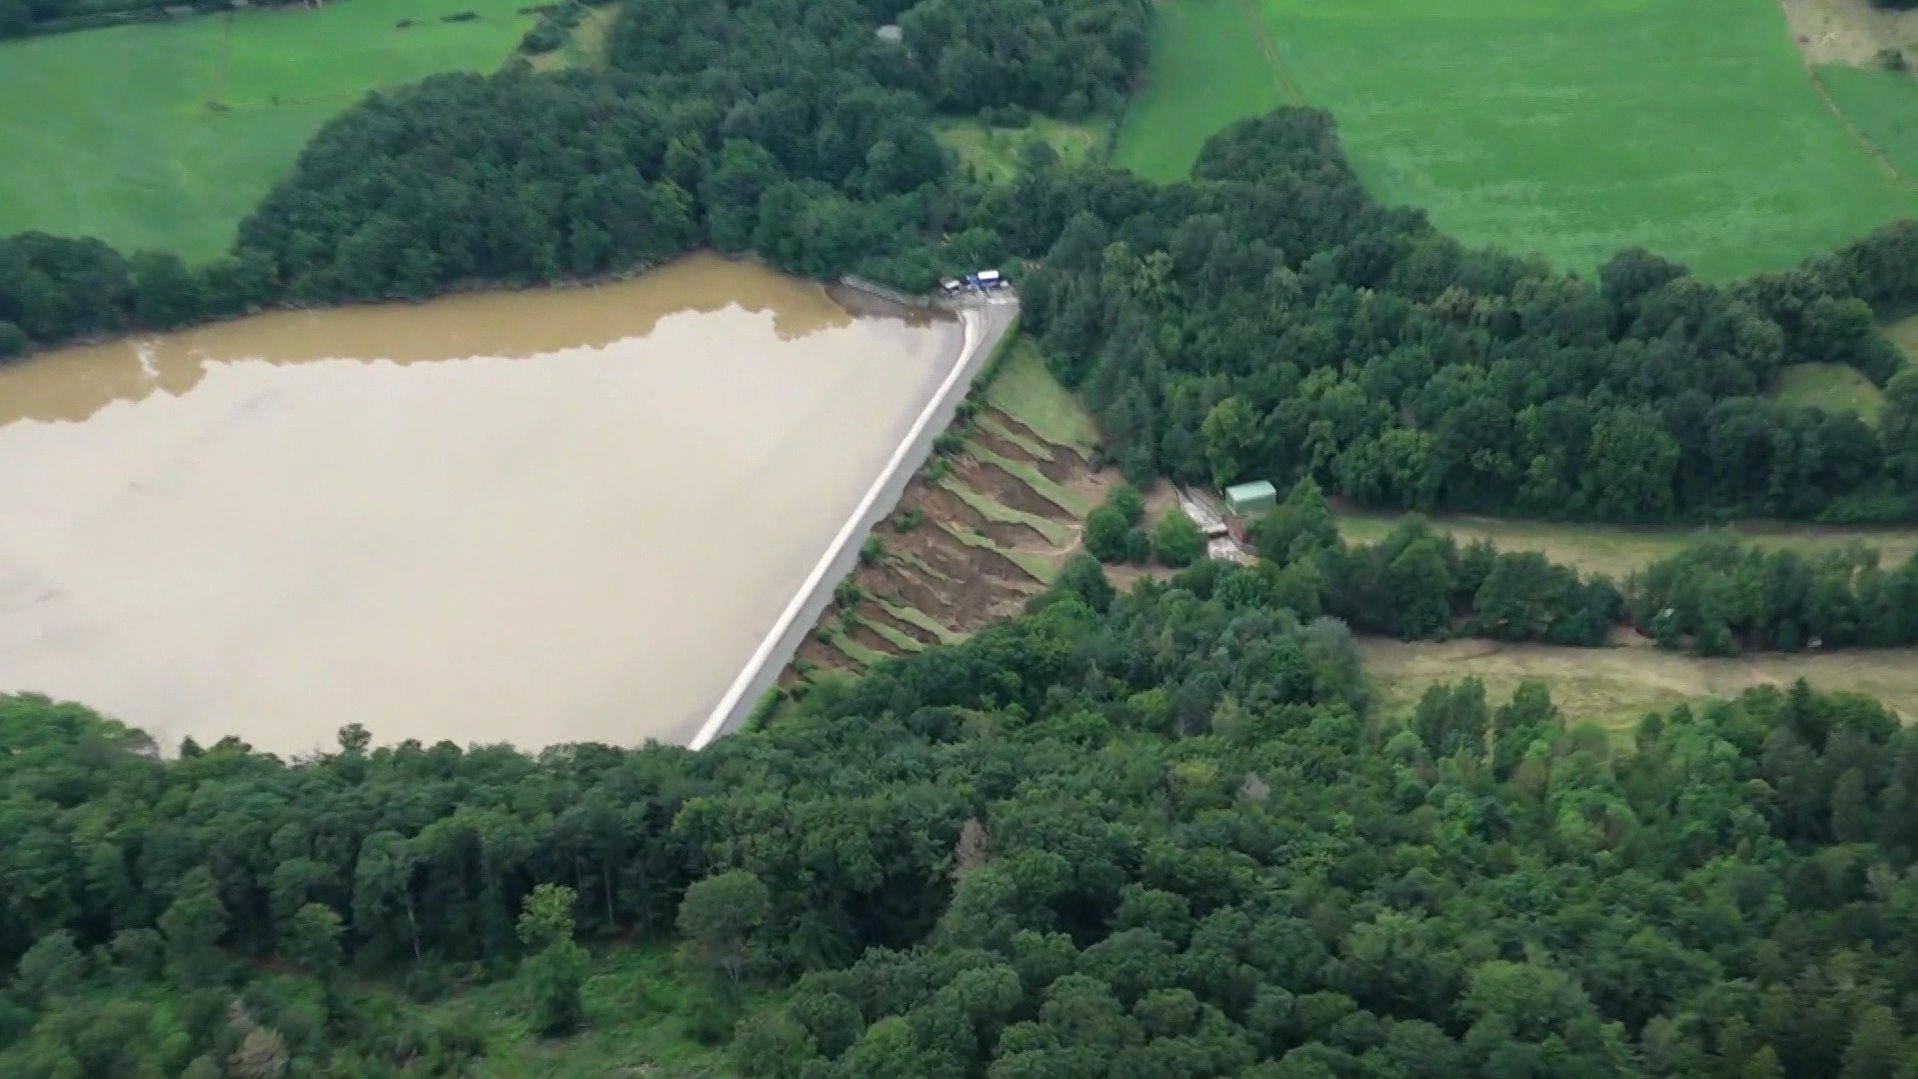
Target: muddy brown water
(531, 517)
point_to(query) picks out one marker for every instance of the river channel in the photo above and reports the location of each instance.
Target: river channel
(533, 517)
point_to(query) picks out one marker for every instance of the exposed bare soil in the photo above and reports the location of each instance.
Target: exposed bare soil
(1019, 427)
(1059, 468)
(960, 586)
(1847, 31)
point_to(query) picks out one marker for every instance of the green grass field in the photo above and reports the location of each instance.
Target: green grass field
(992, 153)
(1833, 387)
(1207, 70)
(164, 135)
(1881, 104)
(1570, 128)
(1615, 687)
(1027, 392)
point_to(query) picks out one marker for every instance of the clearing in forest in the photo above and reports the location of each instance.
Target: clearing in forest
(1569, 129)
(164, 135)
(992, 153)
(1616, 687)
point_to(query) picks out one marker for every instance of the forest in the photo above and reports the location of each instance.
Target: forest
(1149, 834)
(1155, 833)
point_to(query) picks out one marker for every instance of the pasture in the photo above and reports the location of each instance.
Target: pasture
(1568, 129)
(1883, 106)
(1616, 687)
(164, 135)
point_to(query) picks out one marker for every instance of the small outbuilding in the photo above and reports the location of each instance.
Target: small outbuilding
(1249, 499)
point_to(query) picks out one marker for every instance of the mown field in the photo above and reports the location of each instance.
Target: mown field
(164, 135)
(1570, 129)
(1616, 687)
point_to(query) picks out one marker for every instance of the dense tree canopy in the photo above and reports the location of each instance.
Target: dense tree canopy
(1150, 834)
(1268, 320)
(1169, 838)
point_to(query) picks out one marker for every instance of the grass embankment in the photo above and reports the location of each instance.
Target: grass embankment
(1027, 392)
(992, 153)
(164, 135)
(1617, 550)
(1616, 687)
(1570, 130)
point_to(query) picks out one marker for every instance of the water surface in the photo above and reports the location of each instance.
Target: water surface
(536, 517)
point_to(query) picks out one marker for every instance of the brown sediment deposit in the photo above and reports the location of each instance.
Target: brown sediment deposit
(540, 516)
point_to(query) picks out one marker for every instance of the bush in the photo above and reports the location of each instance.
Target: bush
(1177, 542)
(1106, 531)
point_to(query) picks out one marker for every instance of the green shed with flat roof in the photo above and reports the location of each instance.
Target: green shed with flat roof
(1246, 499)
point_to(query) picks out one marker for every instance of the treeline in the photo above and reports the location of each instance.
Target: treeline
(1143, 834)
(1717, 596)
(1269, 320)
(784, 128)
(1418, 583)
(1723, 597)
(21, 17)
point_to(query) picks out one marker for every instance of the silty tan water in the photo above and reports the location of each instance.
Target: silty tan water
(535, 517)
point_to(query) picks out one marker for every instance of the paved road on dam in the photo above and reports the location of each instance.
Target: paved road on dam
(986, 325)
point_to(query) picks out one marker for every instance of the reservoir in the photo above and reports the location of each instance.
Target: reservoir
(531, 517)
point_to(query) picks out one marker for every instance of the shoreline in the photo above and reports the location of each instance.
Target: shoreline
(985, 327)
